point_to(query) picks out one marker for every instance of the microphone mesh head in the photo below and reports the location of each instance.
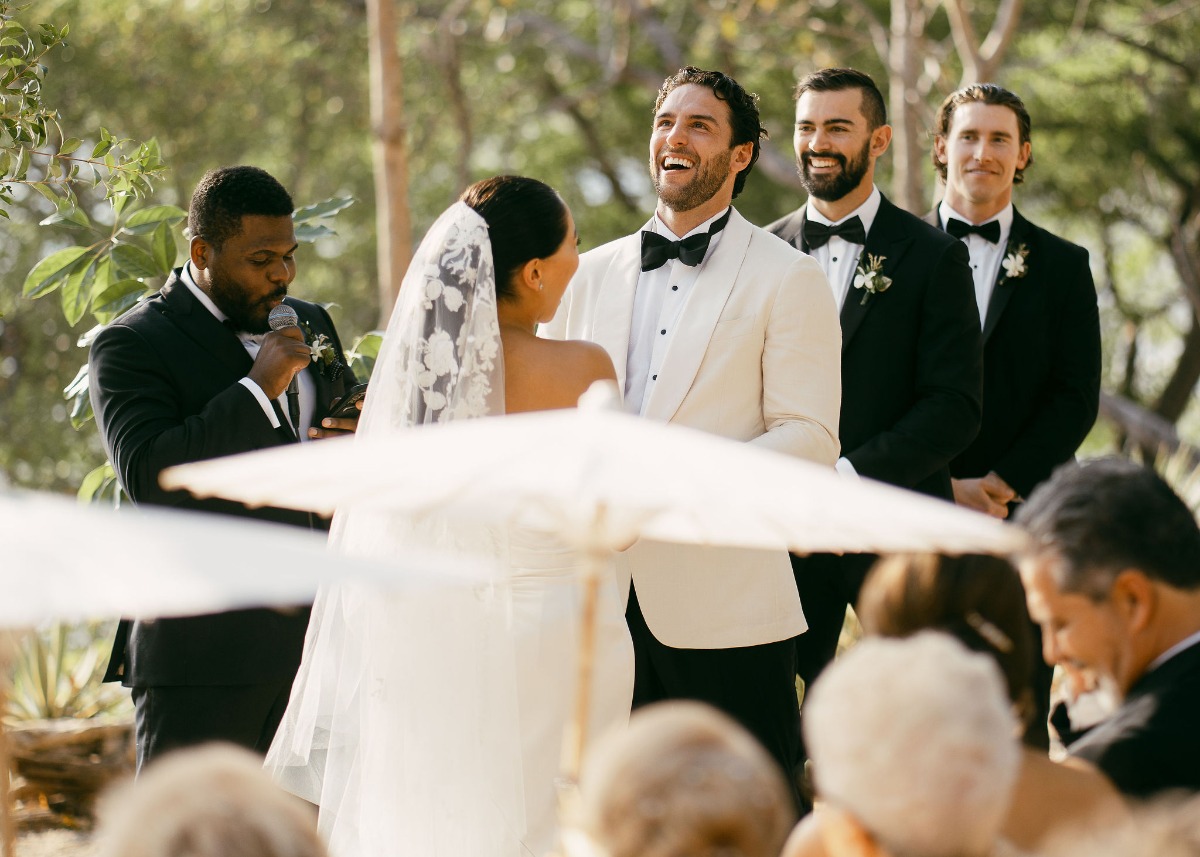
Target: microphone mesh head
(282, 316)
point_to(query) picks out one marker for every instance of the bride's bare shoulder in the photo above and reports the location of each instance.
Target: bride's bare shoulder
(544, 373)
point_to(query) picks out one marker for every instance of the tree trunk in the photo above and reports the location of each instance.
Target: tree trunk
(1178, 392)
(904, 67)
(393, 220)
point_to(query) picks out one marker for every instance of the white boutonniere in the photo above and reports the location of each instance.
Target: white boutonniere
(322, 352)
(320, 348)
(867, 276)
(1014, 261)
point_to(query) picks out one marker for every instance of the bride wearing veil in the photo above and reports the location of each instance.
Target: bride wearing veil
(432, 726)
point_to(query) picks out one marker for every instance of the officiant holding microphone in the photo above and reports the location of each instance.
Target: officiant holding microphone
(219, 362)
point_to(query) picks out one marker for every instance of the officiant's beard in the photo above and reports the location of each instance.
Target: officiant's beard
(833, 187)
(244, 313)
(709, 178)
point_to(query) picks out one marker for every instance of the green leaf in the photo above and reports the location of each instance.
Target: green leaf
(68, 214)
(308, 233)
(48, 274)
(77, 393)
(95, 482)
(148, 219)
(77, 291)
(101, 149)
(364, 352)
(134, 262)
(117, 298)
(70, 145)
(163, 245)
(323, 209)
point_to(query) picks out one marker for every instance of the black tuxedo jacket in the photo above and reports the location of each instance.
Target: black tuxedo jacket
(1041, 363)
(1152, 743)
(164, 388)
(911, 358)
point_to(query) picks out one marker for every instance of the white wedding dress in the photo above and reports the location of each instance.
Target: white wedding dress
(431, 724)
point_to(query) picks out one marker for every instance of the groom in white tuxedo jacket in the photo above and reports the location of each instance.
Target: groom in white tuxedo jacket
(718, 325)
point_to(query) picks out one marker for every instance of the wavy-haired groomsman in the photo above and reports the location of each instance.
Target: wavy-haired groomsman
(1037, 305)
(1035, 298)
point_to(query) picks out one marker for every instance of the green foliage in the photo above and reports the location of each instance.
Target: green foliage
(363, 354)
(58, 673)
(35, 152)
(561, 90)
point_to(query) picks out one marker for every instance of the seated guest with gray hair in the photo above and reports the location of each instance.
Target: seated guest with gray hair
(935, 774)
(1112, 573)
(683, 780)
(978, 600)
(213, 800)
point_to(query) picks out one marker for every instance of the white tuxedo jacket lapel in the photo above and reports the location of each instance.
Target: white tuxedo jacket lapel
(614, 304)
(698, 319)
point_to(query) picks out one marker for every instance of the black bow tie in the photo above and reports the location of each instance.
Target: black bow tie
(657, 250)
(818, 234)
(989, 231)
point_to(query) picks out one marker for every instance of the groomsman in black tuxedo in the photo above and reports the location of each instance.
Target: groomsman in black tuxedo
(1036, 303)
(911, 361)
(1112, 574)
(194, 373)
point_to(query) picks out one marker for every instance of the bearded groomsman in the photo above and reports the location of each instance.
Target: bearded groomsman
(911, 362)
(713, 323)
(1036, 302)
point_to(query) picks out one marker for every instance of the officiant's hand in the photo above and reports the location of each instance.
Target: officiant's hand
(281, 355)
(337, 426)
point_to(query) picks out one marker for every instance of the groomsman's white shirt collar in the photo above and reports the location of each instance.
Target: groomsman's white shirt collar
(251, 342)
(838, 258)
(985, 256)
(657, 301)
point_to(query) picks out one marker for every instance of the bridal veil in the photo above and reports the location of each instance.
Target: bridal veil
(401, 720)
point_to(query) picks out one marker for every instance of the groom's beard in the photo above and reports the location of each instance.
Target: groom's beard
(703, 186)
(833, 187)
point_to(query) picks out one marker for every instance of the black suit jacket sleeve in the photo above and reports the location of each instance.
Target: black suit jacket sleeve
(1070, 399)
(138, 406)
(947, 386)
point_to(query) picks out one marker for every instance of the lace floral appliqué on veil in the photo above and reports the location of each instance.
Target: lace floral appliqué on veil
(442, 350)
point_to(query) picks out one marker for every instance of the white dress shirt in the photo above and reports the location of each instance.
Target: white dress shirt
(1182, 645)
(252, 342)
(659, 297)
(985, 256)
(838, 257)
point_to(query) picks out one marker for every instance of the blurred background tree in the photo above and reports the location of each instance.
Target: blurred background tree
(563, 90)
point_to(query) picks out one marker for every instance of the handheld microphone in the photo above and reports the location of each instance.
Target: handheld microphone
(279, 318)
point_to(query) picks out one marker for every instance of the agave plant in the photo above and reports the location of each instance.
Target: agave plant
(58, 671)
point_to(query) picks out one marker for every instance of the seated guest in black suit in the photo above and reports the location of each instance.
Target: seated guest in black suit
(1112, 574)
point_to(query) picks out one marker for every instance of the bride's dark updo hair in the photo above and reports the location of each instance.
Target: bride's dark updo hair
(526, 219)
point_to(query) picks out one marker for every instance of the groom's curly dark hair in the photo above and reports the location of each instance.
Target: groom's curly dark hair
(743, 110)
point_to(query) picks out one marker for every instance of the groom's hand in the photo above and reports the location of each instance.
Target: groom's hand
(336, 426)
